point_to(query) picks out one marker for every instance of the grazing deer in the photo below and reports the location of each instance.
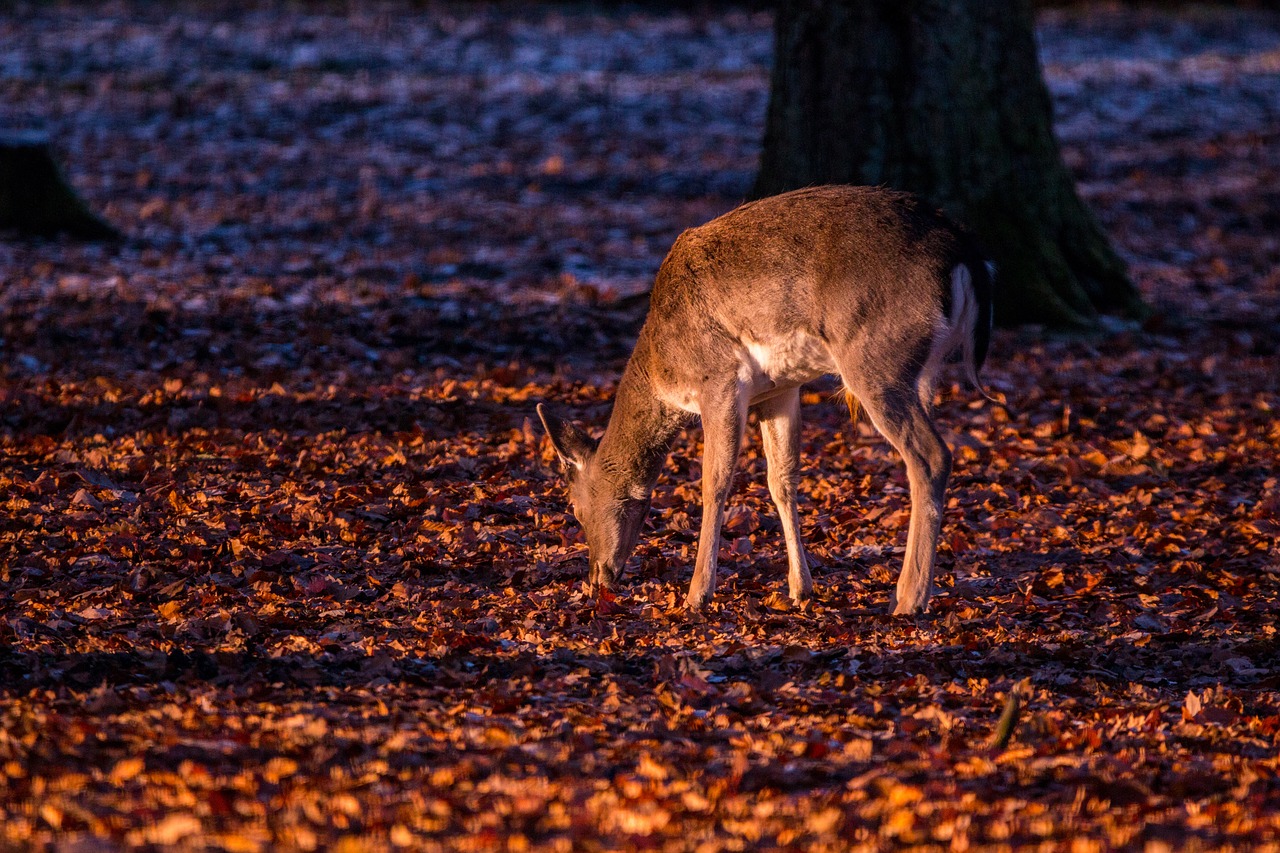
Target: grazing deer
(871, 284)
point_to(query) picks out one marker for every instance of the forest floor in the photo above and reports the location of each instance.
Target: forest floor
(285, 562)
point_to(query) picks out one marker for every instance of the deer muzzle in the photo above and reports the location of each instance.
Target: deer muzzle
(602, 575)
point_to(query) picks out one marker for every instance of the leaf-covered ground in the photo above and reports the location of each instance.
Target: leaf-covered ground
(284, 564)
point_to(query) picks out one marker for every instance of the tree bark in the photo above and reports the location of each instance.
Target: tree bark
(943, 98)
(35, 197)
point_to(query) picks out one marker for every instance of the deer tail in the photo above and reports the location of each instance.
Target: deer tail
(971, 285)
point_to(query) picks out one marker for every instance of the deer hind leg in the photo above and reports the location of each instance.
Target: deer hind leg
(724, 417)
(899, 414)
(780, 430)
(905, 424)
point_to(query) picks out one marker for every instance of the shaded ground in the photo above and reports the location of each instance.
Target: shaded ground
(285, 563)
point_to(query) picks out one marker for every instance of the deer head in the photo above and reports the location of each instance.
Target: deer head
(609, 502)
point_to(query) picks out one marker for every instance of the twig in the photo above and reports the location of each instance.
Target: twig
(1009, 719)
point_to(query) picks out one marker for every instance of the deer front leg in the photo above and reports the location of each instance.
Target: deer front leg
(780, 429)
(724, 416)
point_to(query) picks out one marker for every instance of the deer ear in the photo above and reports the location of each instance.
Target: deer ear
(573, 446)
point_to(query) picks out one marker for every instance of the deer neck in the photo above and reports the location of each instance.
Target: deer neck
(640, 430)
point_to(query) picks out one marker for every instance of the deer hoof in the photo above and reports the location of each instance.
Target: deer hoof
(697, 602)
(907, 608)
(913, 604)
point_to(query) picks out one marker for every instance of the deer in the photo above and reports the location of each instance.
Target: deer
(870, 284)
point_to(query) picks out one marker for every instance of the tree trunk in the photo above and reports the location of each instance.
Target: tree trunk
(943, 98)
(35, 198)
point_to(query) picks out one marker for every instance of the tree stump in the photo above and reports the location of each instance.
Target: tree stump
(35, 197)
(944, 98)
